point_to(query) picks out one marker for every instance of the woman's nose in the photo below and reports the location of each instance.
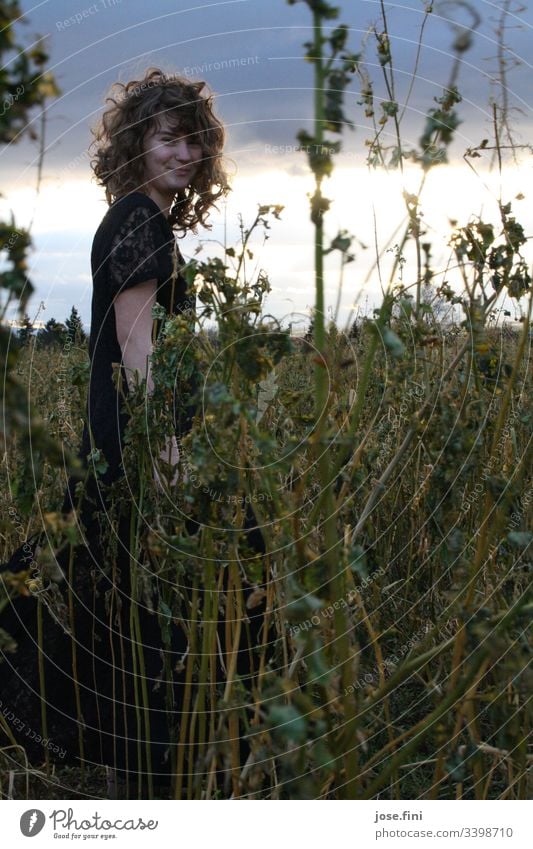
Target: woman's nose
(182, 151)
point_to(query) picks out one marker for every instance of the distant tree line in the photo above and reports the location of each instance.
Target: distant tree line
(54, 332)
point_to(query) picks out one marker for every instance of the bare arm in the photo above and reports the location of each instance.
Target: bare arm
(133, 320)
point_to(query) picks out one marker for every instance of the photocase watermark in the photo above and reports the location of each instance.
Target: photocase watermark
(343, 602)
(66, 825)
(208, 67)
(191, 71)
(32, 822)
(414, 392)
(518, 515)
(34, 581)
(63, 404)
(298, 148)
(65, 820)
(393, 660)
(514, 521)
(12, 241)
(494, 459)
(191, 476)
(30, 733)
(10, 99)
(83, 14)
(81, 158)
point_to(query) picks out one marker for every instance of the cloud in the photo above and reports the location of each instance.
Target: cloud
(263, 103)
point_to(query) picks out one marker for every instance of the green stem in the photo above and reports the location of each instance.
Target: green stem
(42, 683)
(75, 661)
(339, 649)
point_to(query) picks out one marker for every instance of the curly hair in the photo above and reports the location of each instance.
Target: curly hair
(119, 137)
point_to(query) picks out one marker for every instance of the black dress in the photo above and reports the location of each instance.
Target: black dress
(92, 638)
(133, 243)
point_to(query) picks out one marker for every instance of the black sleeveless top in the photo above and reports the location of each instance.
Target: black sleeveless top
(133, 243)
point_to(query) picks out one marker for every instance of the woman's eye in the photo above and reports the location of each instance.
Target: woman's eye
(192, 140)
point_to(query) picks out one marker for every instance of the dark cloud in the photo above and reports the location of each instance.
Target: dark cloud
(250, 52)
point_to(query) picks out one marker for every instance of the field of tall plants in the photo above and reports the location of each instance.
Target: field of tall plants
(387, 465)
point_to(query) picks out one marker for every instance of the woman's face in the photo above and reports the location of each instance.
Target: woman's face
(171, 160)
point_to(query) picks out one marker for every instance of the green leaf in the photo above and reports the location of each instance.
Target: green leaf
(358, 563)
(520, 539)
(97, 460)
(158, 311)
(406, 307)
(288, 723)
(7, 643)
(390, 107)
(393, 342)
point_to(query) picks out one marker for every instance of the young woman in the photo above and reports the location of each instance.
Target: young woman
(158, 154)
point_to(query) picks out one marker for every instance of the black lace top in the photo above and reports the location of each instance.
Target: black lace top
(133, 243)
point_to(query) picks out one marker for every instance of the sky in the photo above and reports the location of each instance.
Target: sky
(251, 55)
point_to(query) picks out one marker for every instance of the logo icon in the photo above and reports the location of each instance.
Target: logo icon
(32, 822)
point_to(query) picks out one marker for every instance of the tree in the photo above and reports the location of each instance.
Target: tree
(54, 332)
(355, 330)
(74, 326)
(25, 331)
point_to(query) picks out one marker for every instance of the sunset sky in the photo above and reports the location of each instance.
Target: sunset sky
(250, 53)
